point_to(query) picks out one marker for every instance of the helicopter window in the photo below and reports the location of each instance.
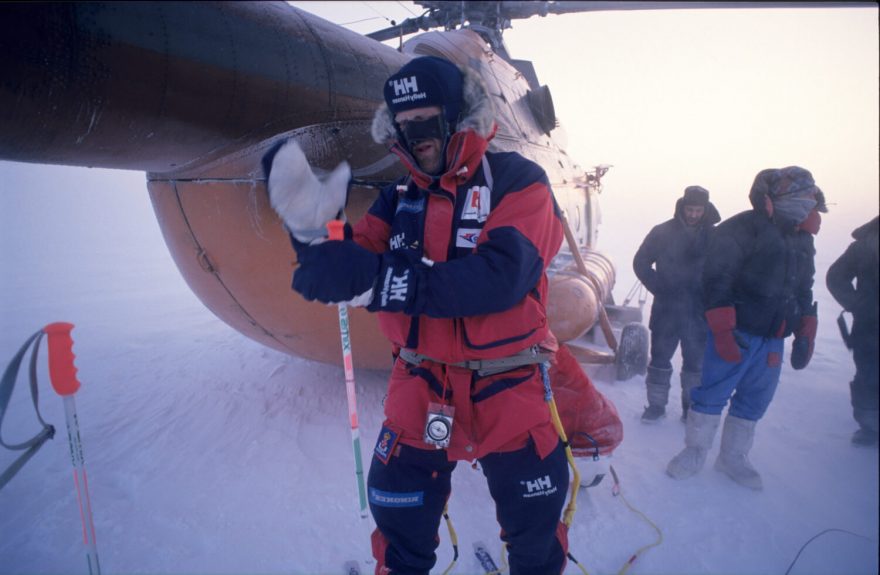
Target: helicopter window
(541, 103)
(426, 50)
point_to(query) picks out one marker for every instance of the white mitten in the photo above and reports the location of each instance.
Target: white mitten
(303, 201)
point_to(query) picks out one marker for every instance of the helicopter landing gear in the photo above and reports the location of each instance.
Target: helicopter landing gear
(632, 351)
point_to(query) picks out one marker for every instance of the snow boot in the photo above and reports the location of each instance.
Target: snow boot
(657, 385)
(689, 380)
(866, 435)
(737, 439)
(698, 437)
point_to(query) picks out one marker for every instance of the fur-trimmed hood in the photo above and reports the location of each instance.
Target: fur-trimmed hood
(477, 112)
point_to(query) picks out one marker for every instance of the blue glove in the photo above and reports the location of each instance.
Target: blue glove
(334, 271)
(397, 284)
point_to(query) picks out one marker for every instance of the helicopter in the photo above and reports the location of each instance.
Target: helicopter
(194, 94)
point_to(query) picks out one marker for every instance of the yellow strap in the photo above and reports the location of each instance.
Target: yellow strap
(452, 537)
(568, 515)
(644, 548)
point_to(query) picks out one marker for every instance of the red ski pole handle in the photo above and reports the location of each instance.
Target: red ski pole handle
(62, 372)
(336, 230)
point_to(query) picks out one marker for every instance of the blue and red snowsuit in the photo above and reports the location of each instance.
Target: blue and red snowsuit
(491, 226)
(763, 270)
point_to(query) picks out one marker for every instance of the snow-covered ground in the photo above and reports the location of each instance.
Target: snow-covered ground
(208, 453)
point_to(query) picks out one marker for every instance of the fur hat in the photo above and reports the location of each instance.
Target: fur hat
(695, 196)
(792, 191)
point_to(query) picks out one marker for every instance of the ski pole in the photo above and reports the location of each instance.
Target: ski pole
(335, 230)
(62, 373)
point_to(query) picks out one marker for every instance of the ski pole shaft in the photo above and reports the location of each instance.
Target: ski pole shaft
(335, 230)
(351, 394)
(62, 374)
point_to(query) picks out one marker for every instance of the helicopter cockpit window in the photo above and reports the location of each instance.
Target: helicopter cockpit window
(541, 104)
(424, 49)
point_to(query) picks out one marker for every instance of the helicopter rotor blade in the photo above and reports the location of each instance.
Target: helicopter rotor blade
(572, 6)
(408, 26)
(498, 14)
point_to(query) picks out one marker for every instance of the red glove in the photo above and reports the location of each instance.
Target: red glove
(722, 321)
(804, 341)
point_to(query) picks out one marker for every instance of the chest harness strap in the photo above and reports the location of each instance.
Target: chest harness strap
(484, 367)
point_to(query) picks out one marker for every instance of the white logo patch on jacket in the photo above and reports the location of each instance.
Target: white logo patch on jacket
(477, 204)
(467, 237)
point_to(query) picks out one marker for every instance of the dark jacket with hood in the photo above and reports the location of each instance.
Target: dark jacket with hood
(670, 263)
(763, 267)
(860, 263)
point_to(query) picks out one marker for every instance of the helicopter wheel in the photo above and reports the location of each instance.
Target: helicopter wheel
(632, 351)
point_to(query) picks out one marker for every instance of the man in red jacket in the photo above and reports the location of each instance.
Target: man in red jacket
(453, 258)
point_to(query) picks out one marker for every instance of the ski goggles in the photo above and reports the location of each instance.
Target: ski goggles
(414, 131)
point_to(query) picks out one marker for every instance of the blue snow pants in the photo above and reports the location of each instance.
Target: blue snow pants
(749, 385)
(407, 496)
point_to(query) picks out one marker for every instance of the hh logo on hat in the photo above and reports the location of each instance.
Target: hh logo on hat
(405, 86)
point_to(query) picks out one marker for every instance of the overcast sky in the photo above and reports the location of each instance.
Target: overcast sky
(710, 97)
(673, 98)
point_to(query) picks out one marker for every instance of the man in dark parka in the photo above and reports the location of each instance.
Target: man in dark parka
(670, 263)
(860, 263)
(758, 290)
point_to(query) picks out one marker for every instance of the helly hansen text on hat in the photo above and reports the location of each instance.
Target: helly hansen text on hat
(426, 81)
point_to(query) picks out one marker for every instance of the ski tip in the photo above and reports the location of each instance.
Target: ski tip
(485, 558)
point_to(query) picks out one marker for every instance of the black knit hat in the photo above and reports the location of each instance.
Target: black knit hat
(426, 81)
(695, 196)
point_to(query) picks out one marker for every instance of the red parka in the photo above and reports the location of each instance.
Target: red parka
(491, 226)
